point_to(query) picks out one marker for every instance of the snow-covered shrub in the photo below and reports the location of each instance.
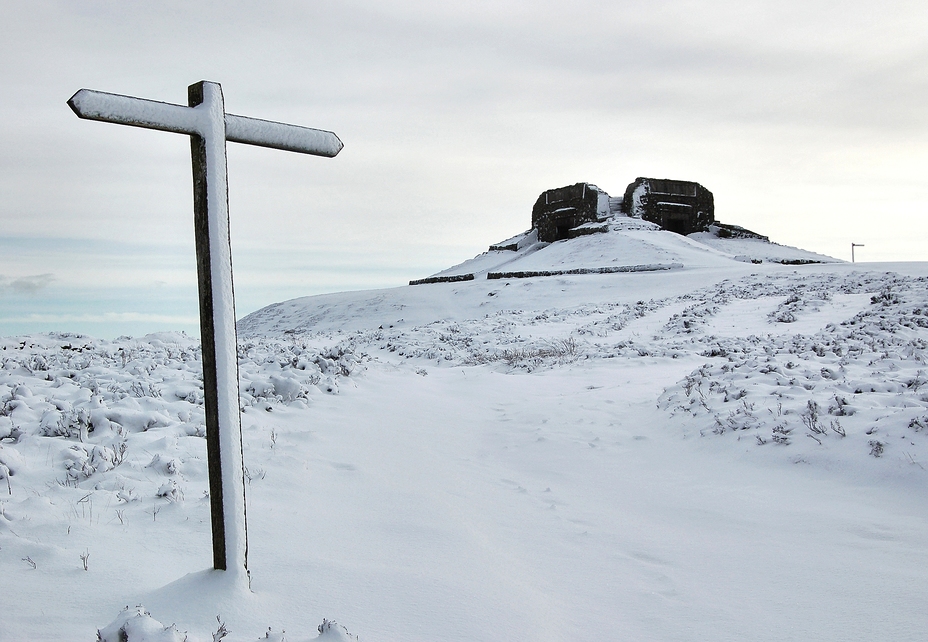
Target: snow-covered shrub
(332, 631)
(137, 625)
(82, 461)
(866, 371)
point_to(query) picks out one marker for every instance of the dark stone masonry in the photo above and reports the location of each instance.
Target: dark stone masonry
(683, 207)
(677, 206)
(558, 211)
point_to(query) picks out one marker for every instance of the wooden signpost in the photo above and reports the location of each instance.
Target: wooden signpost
(209, 127)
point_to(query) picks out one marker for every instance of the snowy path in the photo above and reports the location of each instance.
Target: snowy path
(574, 516)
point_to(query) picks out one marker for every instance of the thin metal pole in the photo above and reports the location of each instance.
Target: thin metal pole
(853, 245)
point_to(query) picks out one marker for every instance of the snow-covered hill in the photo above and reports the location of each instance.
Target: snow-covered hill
(627, 242)
(631, 246)
(722, 450)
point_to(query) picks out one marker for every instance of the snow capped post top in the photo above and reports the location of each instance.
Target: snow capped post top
(209, 127)
(153, 114)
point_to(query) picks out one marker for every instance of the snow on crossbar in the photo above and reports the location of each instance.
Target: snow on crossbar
(153, 114)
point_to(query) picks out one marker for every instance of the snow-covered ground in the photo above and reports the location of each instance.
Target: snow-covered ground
(722, 451)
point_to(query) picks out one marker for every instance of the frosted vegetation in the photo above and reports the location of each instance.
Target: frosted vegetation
(742, 459)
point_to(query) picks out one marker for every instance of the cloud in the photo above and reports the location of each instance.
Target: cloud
(26, 284)
(805, 119)
(104, 317)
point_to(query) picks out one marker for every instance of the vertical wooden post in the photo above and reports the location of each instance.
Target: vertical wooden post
(209, 127)
(217, 332)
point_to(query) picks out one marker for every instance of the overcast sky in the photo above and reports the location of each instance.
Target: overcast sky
(807, 120)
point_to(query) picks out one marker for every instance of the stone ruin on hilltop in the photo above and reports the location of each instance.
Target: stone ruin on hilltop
(559, 211)
(677, 206)
(682, 207)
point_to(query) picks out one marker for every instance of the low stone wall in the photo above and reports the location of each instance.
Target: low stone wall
(587, 229)
(798, 261)
(443, 279)
(654, 267)
(727, 231)
(511, 247)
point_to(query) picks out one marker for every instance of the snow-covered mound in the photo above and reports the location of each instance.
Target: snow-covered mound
(624, 242)
(731, 451)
